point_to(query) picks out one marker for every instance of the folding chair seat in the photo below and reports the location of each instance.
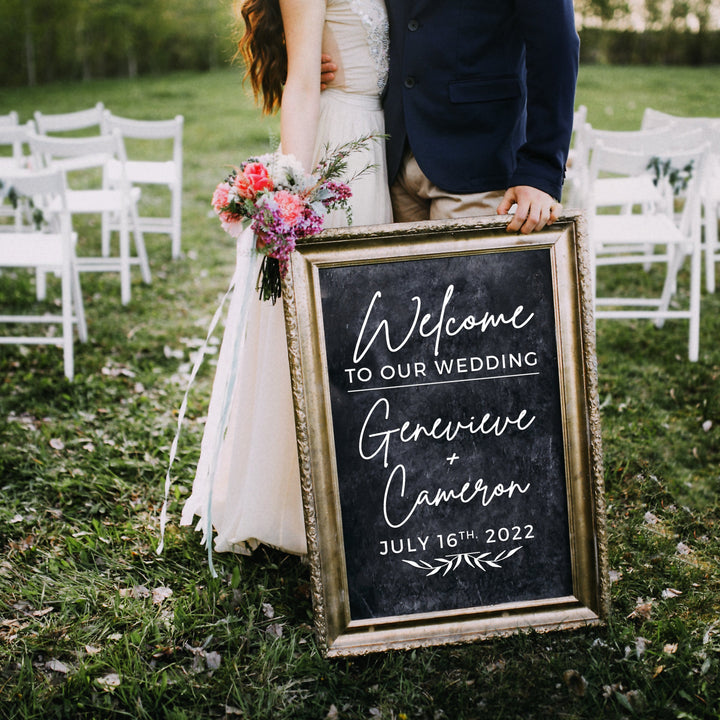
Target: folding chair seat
(155, 157)
(710, 189)
(648, 234)
(78, 156)
(51, 248)
(70, 122)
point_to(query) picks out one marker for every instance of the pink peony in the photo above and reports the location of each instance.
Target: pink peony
(220, 196)
(291, 206)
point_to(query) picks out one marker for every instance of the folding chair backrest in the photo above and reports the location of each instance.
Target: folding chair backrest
(663, 138)
(45, 187)
(656, 119)
(621, 161)
(9, 119)
(71, 121)
(76, 153)
(12, 140)
(171, 130)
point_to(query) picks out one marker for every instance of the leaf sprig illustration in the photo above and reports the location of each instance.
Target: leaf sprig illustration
(476, 560)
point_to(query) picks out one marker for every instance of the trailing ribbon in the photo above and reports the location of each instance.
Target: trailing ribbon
(246, 285)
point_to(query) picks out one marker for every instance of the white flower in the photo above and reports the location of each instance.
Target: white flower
(286, 171)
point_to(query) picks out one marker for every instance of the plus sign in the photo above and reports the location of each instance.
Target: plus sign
(452, 458)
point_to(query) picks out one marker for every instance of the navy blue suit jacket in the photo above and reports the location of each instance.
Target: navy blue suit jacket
(483, 91)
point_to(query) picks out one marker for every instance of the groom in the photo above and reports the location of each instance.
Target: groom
(479, 108)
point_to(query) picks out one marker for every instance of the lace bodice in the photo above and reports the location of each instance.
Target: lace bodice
(356, 36)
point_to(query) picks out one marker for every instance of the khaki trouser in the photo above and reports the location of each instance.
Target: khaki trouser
(415, 198)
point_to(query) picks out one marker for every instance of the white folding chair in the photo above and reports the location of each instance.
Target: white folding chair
(147, 141)
(577, 163)
(710, 189)
(648, 234)
(52, 249)
(78, 156)
(54, 123)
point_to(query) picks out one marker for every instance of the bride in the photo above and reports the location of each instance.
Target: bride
(247, 483)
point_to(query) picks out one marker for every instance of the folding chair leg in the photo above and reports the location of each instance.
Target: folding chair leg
(176, 224)
(711, 245)
(106, 231)
(695, 281)
(78, 305)
(140, 246)
(124, 261)
(670, 286)
(40, 284)
(67, 326)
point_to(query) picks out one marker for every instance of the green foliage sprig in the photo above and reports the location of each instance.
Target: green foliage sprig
(677, 178)
(36, 214)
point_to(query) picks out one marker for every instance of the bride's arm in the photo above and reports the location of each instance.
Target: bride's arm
(300, 107)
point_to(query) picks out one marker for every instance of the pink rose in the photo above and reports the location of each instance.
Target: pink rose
(253, 179)
(290, 206)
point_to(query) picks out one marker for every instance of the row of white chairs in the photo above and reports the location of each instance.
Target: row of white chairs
(651, 197)
(139, 169)
(64, 176)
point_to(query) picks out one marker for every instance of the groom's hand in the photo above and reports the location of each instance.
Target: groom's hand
(535, 209)
(327, 71)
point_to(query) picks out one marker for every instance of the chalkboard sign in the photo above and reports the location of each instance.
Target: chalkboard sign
(444, 384)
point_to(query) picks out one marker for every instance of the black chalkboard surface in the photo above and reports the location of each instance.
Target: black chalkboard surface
(447, 425)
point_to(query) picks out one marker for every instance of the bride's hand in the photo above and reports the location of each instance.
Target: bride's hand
(327, 71)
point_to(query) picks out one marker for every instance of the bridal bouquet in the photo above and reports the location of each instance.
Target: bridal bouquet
(283, 204)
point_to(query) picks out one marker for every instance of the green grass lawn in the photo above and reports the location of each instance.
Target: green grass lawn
(94, 624)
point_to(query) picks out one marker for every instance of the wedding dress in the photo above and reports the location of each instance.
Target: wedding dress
(247, 483)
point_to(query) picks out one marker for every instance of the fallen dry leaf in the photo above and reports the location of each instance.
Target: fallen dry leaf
(642, 609)
(640, 646)
(671, 593)
(213, 660)
(42, 613)
(268, 610)
(276, 630)
(57, 666)
(610, 690)
(159, 594)
(109, 682)
(575, 682)
(651, 519)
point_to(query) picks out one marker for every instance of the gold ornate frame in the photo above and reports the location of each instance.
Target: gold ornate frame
(339, 635)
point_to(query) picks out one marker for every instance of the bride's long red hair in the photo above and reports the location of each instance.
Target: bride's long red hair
(262, 48)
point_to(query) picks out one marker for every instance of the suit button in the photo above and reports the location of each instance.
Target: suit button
(413, 25)
(409, 81)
